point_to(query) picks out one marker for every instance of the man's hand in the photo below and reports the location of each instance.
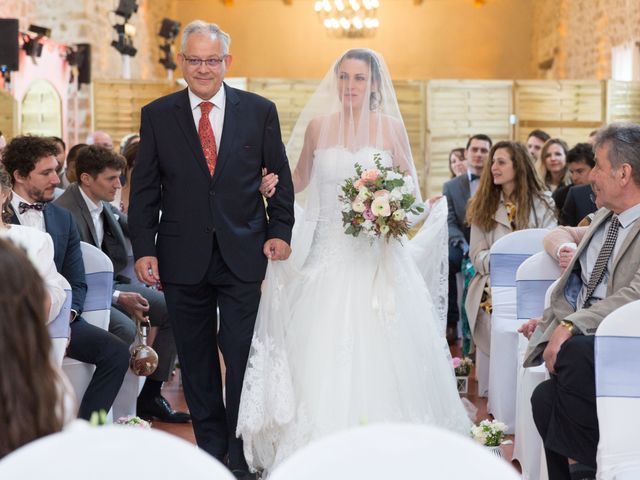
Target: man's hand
(559, 336)
(276, 249)
(527, 328)
(133, 302)
(268, 184)
(147, 270)
(565, 255)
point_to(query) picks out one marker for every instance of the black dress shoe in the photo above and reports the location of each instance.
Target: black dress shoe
(158, 407)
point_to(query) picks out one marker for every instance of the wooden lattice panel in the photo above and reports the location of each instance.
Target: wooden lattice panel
(623, 101)
(8, 115)
(458, 109)
(568, 109)
(116, 103)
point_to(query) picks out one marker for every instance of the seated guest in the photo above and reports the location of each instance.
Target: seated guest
(457, 162)
(69, 174)
(127, 141)
(510, 197)
(34, 398)
(601, 276)
(535, 142)
(579, 162)
(38, 246)
(101, 139)
(102, 225)
(30, 161)
(553, 166)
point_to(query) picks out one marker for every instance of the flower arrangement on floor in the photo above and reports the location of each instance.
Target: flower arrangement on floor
(376, 202)
(462, 366)
(133, 421)
(489, 432)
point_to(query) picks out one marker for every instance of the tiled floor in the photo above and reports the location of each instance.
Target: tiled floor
(173, 392)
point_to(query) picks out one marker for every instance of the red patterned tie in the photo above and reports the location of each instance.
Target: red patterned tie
(207, 138)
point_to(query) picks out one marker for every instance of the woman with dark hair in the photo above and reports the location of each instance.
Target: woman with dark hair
(457, 162)
(510, 197)
(376, 351)
(38, 246)
(553, 164)
(32, 392)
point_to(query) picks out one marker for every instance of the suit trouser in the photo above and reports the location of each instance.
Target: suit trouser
(564, 408)
(121, 325)
(455, 263)
(192, 310)
(110, 355)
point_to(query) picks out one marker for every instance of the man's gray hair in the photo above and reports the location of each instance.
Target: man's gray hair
(623, 140)
(202, 27)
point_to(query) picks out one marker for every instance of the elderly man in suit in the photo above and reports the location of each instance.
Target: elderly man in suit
(102, 225)
(32, 164)
(202, 151)
(458, 192)
(603, 275)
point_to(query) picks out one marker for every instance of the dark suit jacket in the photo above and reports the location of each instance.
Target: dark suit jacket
(577, 205)
(67, 255)
(171, 176)
(458, 192)
(113, 244)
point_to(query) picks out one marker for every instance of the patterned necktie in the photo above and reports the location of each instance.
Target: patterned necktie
(23, 207)
(603, 258)
(207, 138)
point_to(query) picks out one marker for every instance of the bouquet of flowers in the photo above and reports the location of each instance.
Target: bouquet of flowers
(376, 202)
(462, 366)
(133, 421)
(489, 432)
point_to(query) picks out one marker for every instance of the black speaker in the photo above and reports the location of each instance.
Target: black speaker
(9, 43)
(84, 63)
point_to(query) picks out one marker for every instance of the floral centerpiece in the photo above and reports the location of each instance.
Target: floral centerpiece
(133, 421)
(489, 433)
(376, 202)
(462, 366)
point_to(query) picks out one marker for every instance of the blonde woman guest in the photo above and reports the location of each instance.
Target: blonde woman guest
(553, 167)
(510, 197)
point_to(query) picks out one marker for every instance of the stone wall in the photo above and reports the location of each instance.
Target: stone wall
(579, 34)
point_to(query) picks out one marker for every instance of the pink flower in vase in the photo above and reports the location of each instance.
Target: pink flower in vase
(456, 362)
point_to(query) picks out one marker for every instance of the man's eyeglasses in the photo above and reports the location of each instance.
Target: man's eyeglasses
(209, 62)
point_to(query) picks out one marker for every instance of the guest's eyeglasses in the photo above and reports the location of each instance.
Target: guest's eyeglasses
(209, 62)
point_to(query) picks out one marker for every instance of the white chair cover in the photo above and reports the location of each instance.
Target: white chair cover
(617, 366)
(387, 451)
(59, 331)
(111, 452)
(533, 279)
(507, 254)
(97, 310)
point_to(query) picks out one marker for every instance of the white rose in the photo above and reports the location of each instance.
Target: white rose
(391, 175)
(358, 206)
(408, 186)
(399, 215)
(380, 206)
(396, 194)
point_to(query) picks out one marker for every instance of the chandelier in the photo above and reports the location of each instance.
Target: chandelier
(348, 18)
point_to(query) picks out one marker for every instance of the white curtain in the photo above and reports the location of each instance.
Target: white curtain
(625, 62)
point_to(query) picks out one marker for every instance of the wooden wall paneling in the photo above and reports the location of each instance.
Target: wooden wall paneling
(568, 109)
(623, 101)
(8, 115)
(458, 109)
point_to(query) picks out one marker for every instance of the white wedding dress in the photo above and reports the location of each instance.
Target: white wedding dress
(348, 336)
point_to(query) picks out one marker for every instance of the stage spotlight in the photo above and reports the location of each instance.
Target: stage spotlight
(40, 31)
(126, 8)
(169, 29)
(168, 61)
(124, 43)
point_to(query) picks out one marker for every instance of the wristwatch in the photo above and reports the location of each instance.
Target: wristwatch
(569, 326)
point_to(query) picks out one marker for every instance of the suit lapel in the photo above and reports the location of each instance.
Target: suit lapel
(629, 239)
(112, 224)
(184, 116)
(84, 212)
(230, 126)
(465, 186)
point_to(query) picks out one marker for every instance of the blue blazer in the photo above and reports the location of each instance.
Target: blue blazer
(62, 228)
(198, 210)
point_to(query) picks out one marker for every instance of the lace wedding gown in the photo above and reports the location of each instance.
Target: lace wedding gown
(348, 337)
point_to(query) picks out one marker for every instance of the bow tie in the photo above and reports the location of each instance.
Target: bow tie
(474, 176)
(23, 207)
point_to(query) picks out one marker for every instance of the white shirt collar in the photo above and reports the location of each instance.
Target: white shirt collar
(629, 216)
(218, 99)
(16, 199)
(94, 209)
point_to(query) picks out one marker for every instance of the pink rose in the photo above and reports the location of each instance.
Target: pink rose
(368, 214)
(370, 176)
(357, 184)
(456, 362)
(381, 193)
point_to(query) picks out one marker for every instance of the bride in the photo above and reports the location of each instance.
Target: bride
(350, 331)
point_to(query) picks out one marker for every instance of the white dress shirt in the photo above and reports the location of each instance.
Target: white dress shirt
(30, 218)
(95, 210)
(216, 116)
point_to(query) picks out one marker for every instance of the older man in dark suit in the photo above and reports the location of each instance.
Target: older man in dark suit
(202, 151)
(458, 192)
(32, 165)
(98, 170)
